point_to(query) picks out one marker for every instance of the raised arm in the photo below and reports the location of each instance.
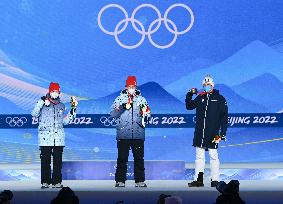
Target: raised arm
(190, 103)
(145, 108)
(117, 108)
(37, 109)
(72, 114)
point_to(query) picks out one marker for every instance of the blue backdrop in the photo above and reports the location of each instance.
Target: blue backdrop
(240, 43)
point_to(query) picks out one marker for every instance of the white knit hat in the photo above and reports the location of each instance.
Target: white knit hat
(208, 80)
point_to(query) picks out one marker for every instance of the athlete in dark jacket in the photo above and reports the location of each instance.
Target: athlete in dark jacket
(211, 126)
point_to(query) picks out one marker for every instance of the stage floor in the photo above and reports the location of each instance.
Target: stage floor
(104, 192)
(162, 185)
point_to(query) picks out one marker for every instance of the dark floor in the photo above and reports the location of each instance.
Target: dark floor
(106, 197)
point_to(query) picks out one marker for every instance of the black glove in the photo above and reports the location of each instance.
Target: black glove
(223, 137)
(193, 90)
(43, 98)
(146, 119)
(124, 106)
(73, 111)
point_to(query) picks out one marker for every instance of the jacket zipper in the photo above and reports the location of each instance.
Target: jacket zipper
(204, 119)
(133, 119)
(54, 122)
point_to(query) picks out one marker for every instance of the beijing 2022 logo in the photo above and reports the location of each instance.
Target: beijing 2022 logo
(122, 25)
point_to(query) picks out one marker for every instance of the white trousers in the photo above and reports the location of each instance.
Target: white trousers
(200, 163)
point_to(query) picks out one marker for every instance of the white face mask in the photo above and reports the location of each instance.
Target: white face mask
(131, 91)
(54, 94)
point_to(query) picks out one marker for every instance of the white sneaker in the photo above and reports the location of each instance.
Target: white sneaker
(120, 184)
(58, 185)
(44, 185)
(141, 184)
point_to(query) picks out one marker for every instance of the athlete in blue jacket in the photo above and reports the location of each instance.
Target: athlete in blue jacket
(130, 109)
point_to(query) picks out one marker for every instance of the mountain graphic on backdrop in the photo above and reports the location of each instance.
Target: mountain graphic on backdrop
(158, 98)
(245, 72)
(265, 89)
(237, 103)
(251, 61)
(161, 101)
(172, 69)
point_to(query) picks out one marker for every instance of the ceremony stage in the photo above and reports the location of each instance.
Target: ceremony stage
(263, 184)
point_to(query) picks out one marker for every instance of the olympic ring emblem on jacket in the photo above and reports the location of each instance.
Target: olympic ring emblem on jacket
(151, 30)
(107, 121)
(16, 121)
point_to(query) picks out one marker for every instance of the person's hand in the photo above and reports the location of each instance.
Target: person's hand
(194, 90)
(126, 106)
(46, 101)
(223, 137)
(143, 108)
(216, 139)
(146, 119)
(74, 102)
(43, 98)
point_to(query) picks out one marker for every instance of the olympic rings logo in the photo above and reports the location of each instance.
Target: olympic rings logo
(107, 121)
(119, 28)
(16, 121)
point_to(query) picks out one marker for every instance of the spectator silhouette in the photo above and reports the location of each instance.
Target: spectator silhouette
(229, 193)
(6, 196)
(66, 196)
(161, 199)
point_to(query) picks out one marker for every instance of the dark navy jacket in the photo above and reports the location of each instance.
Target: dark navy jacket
(211, 117)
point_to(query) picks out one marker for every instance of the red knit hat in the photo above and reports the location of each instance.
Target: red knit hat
(131, 81)
(54, 87)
